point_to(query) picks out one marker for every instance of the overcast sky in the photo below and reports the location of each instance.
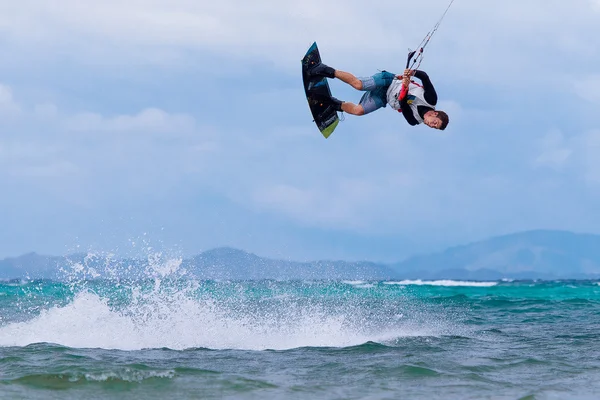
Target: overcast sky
(183, 125)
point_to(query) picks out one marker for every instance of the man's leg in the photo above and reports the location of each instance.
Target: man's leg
(379, 80)
(373, 100)
(328, 72)
(350, 79)
(339, 105)
(363, 108)
(375, 86)
(354, 109)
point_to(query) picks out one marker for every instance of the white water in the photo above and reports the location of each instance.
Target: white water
(89, 322)
(443, 283)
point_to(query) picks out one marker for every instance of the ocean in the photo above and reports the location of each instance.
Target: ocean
(166, 335)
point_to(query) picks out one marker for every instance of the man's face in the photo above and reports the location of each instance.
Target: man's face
(431, 120)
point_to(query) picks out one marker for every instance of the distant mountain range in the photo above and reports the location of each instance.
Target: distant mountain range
(540, 254)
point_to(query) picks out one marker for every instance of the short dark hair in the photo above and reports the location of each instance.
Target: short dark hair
(444, 118)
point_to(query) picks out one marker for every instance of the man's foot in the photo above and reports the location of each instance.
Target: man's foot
(326, 101)
(321, 70)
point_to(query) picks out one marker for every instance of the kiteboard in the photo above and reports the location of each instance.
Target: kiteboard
(324, 115)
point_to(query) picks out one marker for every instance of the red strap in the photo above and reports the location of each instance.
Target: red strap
(404, 90)
(403, 93)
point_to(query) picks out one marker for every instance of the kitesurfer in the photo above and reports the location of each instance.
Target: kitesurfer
(416, 102)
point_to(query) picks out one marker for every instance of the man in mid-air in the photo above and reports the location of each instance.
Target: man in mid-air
(416, 102)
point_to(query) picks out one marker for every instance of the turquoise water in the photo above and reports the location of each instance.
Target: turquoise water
(171, 337)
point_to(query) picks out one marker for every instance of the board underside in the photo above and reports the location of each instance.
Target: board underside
(324, 115)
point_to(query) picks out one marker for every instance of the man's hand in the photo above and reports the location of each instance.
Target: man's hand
(406, 77)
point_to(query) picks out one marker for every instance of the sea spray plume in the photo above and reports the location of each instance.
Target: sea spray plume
(159, 305)
(111, 311)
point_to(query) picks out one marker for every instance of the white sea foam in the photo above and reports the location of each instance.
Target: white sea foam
(180, 323)
(359, 284)
(442, 283)
(127, 375)
(365, 286)
(354, 282)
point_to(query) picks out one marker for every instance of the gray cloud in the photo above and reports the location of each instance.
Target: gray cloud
(8, 105)
(575, 156)
(588, 88)
(555, 152)
(148, 120)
